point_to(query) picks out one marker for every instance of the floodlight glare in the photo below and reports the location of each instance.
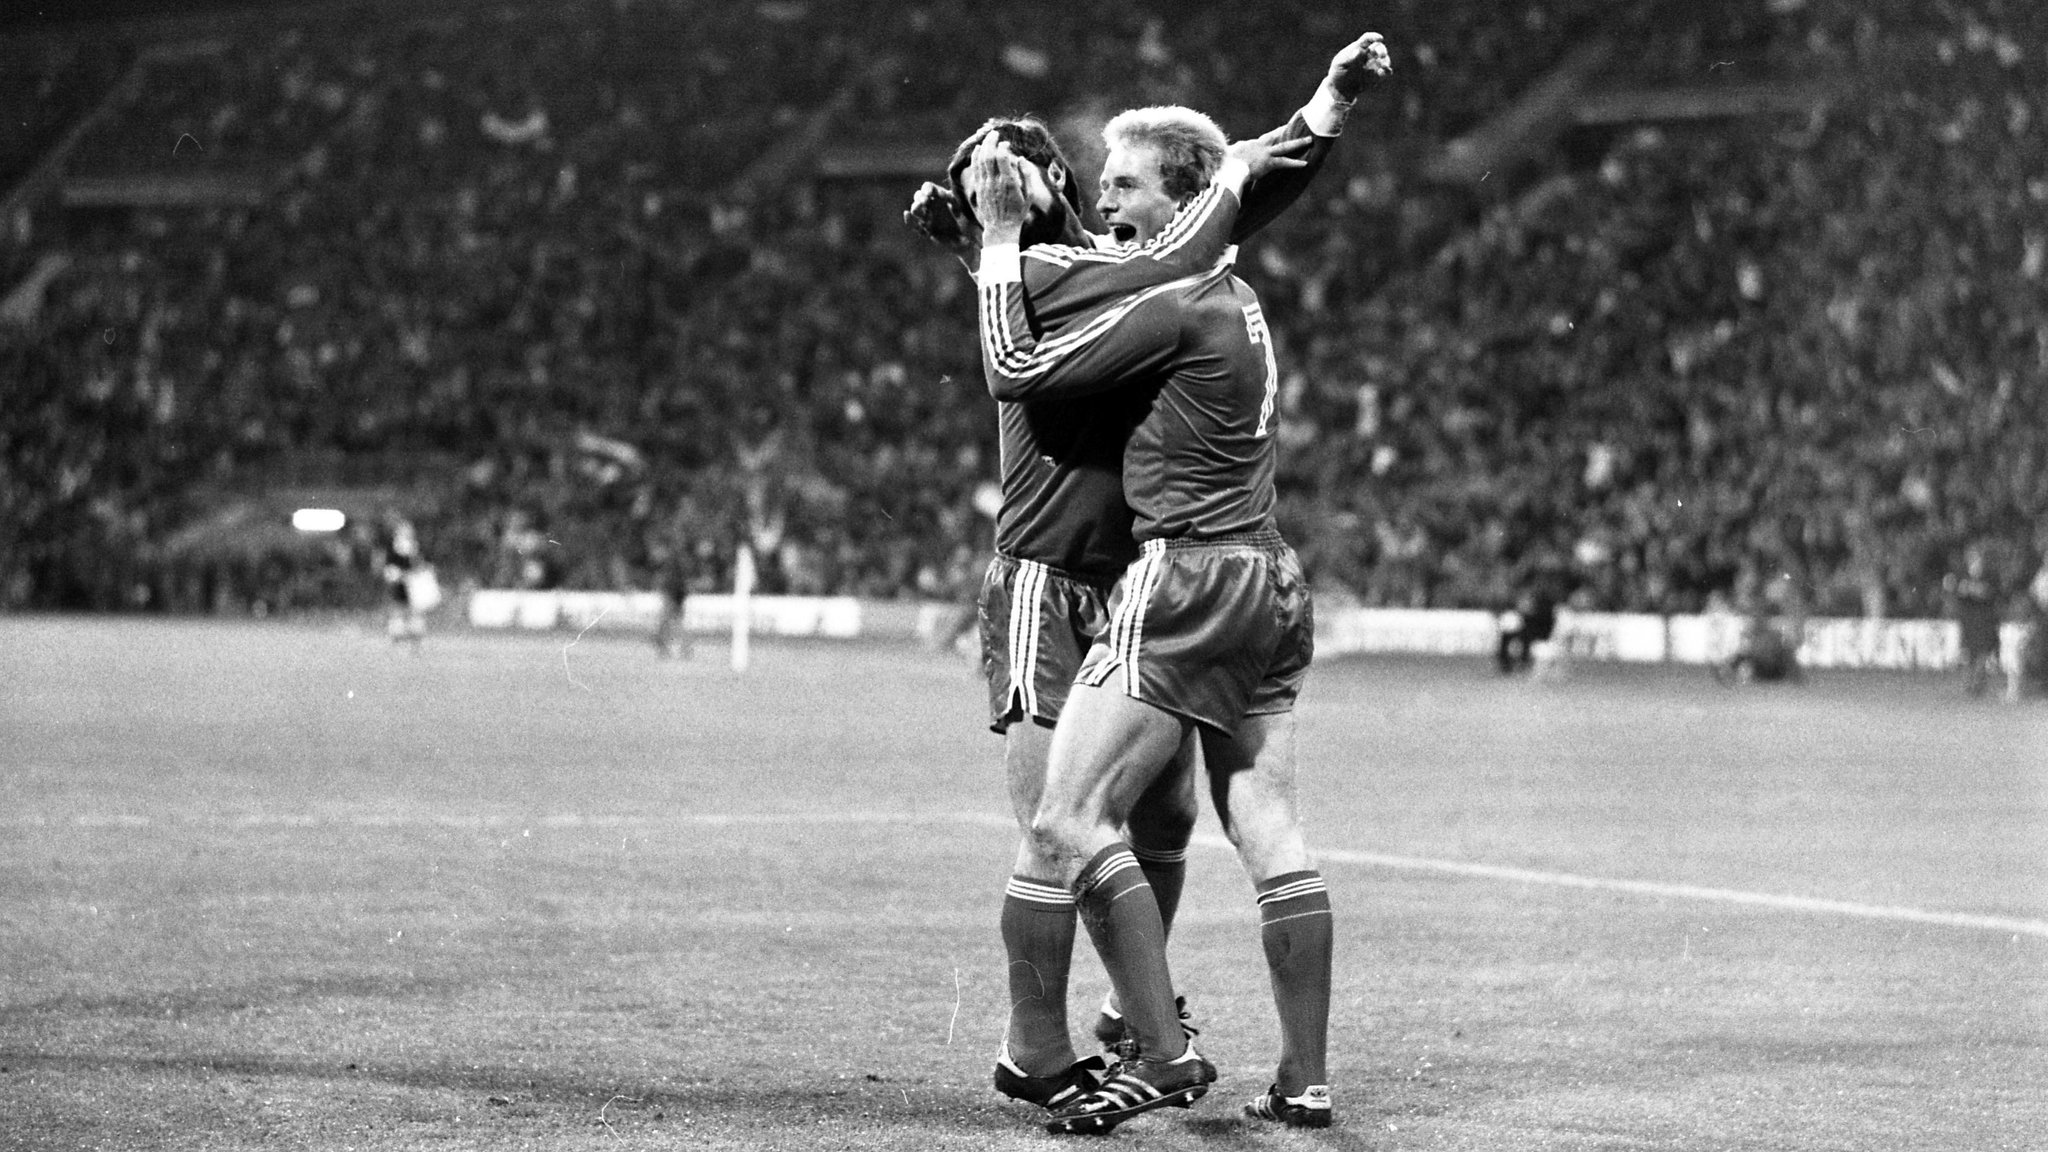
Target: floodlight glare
(318, 519)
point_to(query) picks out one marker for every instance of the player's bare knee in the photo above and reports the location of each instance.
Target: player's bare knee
(1055, 834)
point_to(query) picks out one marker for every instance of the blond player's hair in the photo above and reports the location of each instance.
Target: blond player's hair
(1189, 145)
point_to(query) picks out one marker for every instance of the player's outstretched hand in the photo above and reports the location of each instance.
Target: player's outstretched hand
(994, 184)
(1358, 64)
(934, 213)
(1271, 152)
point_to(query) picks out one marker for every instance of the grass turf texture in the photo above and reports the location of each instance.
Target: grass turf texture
(270, 886)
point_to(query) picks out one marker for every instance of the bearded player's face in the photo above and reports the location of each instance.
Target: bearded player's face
(1133, 199)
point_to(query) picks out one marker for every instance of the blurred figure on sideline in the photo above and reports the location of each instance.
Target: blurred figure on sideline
(1531, 621)
(1774, 626)
(1974, 602)
(672, 581)
(411, 588)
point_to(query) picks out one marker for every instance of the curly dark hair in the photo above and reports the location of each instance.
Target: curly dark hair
(1031, 140)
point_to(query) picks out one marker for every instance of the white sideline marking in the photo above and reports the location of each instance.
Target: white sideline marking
(1681, 891)
(1465, 868)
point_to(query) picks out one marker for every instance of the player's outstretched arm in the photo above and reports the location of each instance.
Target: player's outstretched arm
(1354, 69)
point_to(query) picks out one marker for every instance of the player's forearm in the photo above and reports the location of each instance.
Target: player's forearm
(1119, 345)
(1113, 345)
(1321, 119)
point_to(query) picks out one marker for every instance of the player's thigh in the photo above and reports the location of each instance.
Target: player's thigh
(1107, 750)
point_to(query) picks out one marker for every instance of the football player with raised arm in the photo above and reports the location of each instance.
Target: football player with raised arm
(1211, 628)
(1063, 536)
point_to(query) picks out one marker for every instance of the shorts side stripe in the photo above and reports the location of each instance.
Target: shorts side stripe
(1024, 634)
(1144, 579)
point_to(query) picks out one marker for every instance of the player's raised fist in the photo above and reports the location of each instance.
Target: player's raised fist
(1358, 64)
(934, 213)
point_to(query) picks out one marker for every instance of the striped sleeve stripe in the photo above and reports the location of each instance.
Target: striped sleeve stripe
(1024, 633)
(999, 345)
(1000, 349)
(1308, 886)
(1038, 892)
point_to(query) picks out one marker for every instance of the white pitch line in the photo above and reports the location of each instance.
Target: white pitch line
(1470, 869)
(1683, 891)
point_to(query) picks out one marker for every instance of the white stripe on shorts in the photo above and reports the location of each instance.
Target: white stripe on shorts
(1024, 633)
(1127, 631)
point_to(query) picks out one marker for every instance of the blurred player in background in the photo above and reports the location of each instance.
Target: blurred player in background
(410, 587)
(1531, 621)
(1773, 615)
(1063, 537)
(1974, 601)
(1210, 629)
(2026, 665)
(671, 562)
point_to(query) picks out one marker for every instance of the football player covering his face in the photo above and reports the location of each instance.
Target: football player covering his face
(1048, 215)
(943, 213)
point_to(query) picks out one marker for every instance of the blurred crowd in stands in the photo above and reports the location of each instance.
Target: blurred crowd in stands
(573, 265)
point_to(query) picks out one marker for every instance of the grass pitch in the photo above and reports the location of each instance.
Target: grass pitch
(282, 886)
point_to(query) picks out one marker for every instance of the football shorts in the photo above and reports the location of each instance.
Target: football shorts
(1213, 630)
(1036, 623)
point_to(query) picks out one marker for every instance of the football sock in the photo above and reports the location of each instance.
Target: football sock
(1294, 926)
(1038, 935)
(1166, 870)
(1122, 917)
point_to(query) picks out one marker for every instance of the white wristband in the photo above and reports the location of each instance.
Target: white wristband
(1001, 264)
(1325, 113)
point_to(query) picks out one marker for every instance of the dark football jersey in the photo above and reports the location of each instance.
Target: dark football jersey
(1198, 354)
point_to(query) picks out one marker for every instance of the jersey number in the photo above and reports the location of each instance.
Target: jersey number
(1255, 328)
